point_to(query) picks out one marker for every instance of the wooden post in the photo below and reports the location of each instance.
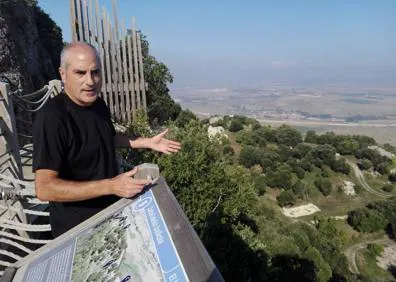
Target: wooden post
(91, 26)
(120, 82)
(135, 64)
(99, 38)
(79, 21)
(114, 72)
(126, 80)
(131, 77)
(109, 88)
(114, 8)
(73, 19)
(85, 20)
(142, 84)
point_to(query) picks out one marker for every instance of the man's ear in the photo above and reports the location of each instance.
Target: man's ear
(62, 73)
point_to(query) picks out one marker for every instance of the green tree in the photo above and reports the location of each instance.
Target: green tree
(280, 178)
(300, 189)
(249, 156)
(184, 118)
(387, 188)
(201, 180)
(301, 150)
(245, 137)
(288, 135)
(286, 198)
(340, 165)
(392, 177)
(310, 137)
(324, 186)
(364, 164)
(366, 220)
(235, 125)
(160, 105)
(260, 184)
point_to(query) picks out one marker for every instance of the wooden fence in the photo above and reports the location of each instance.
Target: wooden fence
(124, 88)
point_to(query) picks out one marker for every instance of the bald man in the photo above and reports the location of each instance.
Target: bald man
(74, 145)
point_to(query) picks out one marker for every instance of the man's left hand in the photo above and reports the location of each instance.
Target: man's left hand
(160, 144)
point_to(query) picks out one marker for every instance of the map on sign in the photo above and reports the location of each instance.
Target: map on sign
(133, 244)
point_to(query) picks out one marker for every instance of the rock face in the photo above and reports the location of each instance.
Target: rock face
(28, 41)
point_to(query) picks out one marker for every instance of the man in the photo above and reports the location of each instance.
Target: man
(74, 145)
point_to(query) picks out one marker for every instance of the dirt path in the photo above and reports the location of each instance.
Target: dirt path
(350, 253)
(362, 181)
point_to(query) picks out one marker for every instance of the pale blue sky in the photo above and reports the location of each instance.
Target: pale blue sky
(227, 42)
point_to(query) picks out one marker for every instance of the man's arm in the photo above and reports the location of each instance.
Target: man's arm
(49, 187)
(157, 143)
(122, 141)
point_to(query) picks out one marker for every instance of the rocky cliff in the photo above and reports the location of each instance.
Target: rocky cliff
(30, 44)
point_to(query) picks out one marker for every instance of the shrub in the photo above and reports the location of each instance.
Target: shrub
(285, 198)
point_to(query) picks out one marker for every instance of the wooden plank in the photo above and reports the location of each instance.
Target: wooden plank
(126, 80)
(100, 35)
(85, 21)
(120, 82)
(142, 84)
(114, 74)
(73, 19)
(115, 18)
(131, 84)
(91, 24)
(135, 64)
(80, 36)
(106, 46)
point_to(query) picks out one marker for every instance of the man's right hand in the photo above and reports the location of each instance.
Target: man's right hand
(125, 186)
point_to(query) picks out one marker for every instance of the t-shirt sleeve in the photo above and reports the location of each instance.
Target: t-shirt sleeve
(49, 141)
(108, 116)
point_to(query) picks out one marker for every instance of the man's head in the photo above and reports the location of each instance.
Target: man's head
(81, 73)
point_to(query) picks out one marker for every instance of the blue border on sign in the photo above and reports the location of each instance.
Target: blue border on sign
(171, 266)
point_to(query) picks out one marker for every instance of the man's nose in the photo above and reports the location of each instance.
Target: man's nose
(89, 80)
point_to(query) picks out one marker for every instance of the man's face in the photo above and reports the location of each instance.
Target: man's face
(81, 75)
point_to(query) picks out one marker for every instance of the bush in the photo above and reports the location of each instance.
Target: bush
(365, 164)
(184, 118)
(391, 230)
(285, 198)
(358, 188)
(228, 150)
(260, 184)
(375, 250)
(324, 186)
(392, 177)
(245, 138)
(340, 166)
(281, 178)
(387, 188)
(299, 189)
(235, 126)
(288, 136)
(366, 220)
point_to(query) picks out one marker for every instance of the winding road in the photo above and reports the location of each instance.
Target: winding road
(362, 181)
(350, 253)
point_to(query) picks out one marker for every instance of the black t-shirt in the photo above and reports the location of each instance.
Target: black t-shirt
(78, 143)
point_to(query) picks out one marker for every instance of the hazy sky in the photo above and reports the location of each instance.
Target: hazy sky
(221, 43)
